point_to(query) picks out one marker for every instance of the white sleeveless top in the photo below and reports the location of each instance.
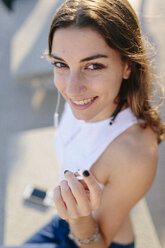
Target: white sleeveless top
(79, 144)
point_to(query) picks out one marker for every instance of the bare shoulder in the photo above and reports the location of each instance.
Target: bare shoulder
(135, 153)
(136, 143)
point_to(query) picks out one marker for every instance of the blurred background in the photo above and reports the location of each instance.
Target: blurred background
(27, 103)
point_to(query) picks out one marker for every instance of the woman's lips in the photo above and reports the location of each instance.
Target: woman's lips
(84, 106)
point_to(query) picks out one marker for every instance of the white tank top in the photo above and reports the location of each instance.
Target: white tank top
(79, 144)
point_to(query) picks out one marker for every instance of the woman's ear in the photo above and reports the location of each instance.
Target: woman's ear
(127, 70)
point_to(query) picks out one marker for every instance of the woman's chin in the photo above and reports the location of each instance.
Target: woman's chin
(81, 116)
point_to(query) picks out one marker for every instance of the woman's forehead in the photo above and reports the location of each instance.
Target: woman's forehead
(80, 42)
(77, 34)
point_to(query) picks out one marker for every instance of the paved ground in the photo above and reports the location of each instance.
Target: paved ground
(23, 106)
(154, 27)
(29, 104)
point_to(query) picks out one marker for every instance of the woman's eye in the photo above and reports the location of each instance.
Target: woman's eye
(59, 65)
(95, 66)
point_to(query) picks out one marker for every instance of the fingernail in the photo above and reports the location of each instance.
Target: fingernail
(86, 173)
(65, 171)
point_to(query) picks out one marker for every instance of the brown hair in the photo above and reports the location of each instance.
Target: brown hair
(117, 22)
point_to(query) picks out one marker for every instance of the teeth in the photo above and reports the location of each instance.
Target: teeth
(83, 102)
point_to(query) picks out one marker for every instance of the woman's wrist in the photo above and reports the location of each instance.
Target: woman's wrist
(83, 227)
(87, 241)
(85, 231)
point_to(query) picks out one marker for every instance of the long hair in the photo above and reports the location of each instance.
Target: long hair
(118, 24)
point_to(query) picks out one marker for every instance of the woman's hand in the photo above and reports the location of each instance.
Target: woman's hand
(77, 198)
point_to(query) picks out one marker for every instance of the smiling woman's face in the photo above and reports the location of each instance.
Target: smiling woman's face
(87, 72)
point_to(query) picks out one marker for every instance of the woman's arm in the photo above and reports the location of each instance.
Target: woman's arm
(127, 184)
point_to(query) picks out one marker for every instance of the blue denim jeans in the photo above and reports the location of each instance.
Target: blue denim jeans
(55, 234)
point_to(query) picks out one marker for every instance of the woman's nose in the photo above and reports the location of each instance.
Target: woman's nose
(76, 85)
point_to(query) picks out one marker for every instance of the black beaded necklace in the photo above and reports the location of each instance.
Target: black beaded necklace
(119, 107)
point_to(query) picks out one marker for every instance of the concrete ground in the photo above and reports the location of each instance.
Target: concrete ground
(27, 102)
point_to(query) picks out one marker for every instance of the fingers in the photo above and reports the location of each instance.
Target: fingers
(94, 189)
(67, 205)
(79, 194)
(93, 197)
(64, 201)
(69, 199)
(77, 198)
(59, 203)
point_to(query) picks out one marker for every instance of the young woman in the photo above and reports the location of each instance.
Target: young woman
(109, 130)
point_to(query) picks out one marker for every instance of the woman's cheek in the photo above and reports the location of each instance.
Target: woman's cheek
(59, 83)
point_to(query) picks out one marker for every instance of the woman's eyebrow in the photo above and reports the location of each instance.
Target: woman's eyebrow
(96, 56)
(55, 57)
